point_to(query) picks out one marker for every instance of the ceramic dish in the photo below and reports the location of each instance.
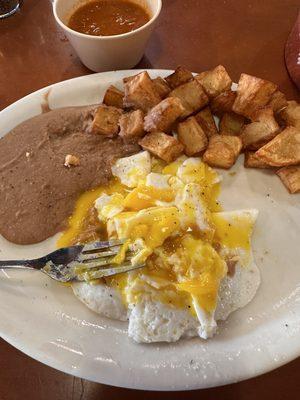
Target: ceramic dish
(44, 320)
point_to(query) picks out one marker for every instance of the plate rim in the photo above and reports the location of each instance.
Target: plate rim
(39, 355)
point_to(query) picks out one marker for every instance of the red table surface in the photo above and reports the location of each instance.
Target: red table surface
(245, 36)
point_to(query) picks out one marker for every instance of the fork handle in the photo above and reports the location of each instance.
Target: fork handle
(19, 264)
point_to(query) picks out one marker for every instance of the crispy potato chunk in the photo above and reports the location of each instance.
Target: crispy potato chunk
(162, 117)
(290, 177)
(132, 125)
(252, 94)
(140, 92)
(252, 161)
(106, 121)
(113, 97)
(277, 101)
(291, 114)
(192, 97)
(283, 150)
(215, 81)
(263, 128)
(231, 124)
(192, 136)
(223, 103)
(161, 145)
(161, 87)
(179, 77)
(206, 120)
(222, 151)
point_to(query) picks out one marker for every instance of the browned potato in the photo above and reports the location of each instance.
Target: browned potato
(163, 146)
(222, 151)
(106, 121)
(283, 150)
(231, 124)
(252, 161)
(192, 97)
(179, 77)
(128, 78)
(191, 135)
(206, 120)
(291, 114)
(223, 103)
(252, 94)
(290, 177)
(113, 97)
(278, 101)
(161, 87)
(140, 92)
(263, 128)
(132, 125)
(161, 117)
(215, 81)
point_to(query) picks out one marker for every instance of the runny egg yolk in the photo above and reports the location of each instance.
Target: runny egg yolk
(147, 196)
(233, 232)
(182, 266)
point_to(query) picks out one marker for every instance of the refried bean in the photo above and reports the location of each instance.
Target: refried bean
(37, 192)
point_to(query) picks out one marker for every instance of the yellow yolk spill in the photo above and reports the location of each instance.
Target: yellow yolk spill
(172, 168)
(82, 207)
(146, 196)
(183, 264)
(203, 273)
(234, 232)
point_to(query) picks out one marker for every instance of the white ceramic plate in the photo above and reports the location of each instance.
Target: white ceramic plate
(44, 320)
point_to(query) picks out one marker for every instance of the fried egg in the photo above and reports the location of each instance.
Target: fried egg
(198, 259)
(131, 170)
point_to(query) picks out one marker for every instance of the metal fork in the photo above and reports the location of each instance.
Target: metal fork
(78, 263)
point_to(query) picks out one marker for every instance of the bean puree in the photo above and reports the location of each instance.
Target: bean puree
(37, 192)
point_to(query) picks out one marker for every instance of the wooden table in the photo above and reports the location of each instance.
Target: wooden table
(245, 36)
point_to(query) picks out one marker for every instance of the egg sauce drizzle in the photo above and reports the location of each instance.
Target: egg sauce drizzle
(182, 264)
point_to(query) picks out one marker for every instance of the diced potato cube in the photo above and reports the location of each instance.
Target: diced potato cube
(291, 114)
(206, 120)
(132, 125)
(252, 94)
(113, 97)
(129, 78)
(161, 87)
(215, 81)
(106, 121)
(231, 124)
(192, 136)
(277, 101)
(263, 128)
(163, 146)
(140, 92)
(192, 97)
(162, 117)
(223, 103)
(283, 150)
(222, 151)
(252, 161)
(290, 177)
(179, 77)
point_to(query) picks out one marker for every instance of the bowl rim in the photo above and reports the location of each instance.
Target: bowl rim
(110, 37)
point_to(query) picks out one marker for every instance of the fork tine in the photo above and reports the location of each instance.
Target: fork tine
(102, 245)
(100, 262)
(109, 271)
(93, 256)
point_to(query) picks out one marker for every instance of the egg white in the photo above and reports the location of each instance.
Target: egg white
(151, 320)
